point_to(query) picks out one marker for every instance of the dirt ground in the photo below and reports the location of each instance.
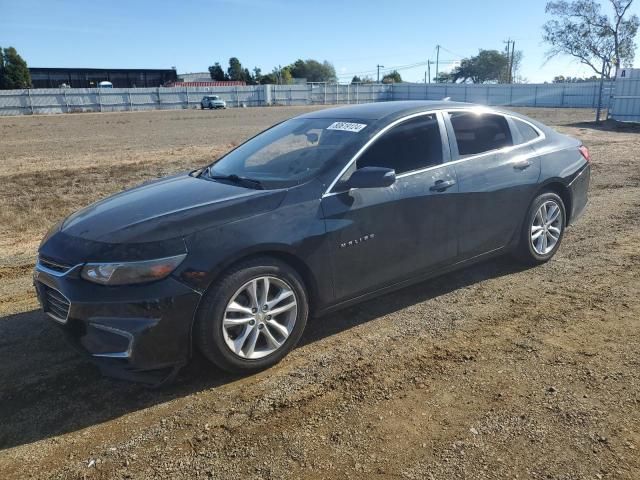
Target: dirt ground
(491, 372)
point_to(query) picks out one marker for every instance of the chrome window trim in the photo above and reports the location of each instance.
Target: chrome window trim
(541, 136)
(369, 142)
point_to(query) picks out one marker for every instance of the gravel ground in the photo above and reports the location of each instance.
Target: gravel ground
(491, 372)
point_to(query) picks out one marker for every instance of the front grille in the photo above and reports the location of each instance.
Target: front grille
(52, 265)
(54, 304)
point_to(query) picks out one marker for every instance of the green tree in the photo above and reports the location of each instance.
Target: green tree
(268, 79)
(563, 79)
(247, 77)
(580, 29)
(486, 67)
(392, 77)
(14, 72)
(358, 79)
(444, 77)
(235, 70)
(286, 78)
(313, 71)
(257, 75)
(216, 72)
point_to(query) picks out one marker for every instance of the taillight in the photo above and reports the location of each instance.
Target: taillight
(585, 152)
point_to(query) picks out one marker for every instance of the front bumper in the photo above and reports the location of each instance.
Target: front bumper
(128, 331)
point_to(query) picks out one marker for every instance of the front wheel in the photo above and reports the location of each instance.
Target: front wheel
(253, 316)
(543, 229)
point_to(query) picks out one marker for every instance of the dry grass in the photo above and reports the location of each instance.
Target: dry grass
(491, 372)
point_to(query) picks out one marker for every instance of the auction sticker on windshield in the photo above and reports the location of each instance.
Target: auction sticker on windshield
(346, 126)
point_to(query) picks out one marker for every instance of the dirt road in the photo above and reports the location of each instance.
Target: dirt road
(491, 372)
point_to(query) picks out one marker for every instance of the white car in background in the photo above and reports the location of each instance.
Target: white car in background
(212, 101)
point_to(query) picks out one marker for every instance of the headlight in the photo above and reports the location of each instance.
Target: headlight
(126, 273)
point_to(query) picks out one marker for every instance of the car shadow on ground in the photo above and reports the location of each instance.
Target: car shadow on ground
(47, 389)
(607, 126)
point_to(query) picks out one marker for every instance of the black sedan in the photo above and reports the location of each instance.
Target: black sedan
(315, 213)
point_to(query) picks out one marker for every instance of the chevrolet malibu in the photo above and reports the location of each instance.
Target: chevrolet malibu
(318, 212)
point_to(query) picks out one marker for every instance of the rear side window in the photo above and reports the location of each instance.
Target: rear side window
(527, 132)
(480, 132)
(411, 145)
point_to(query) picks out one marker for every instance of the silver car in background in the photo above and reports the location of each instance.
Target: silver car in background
(211, 102)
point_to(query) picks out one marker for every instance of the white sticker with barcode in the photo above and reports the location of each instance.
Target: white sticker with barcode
(346, 126)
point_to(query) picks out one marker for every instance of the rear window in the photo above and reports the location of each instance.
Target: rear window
(480, 132)
(527, 132)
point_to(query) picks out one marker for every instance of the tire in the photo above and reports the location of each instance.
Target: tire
(214, 336)
(535, 252)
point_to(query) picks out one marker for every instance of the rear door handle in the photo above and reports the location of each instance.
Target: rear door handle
(522, 165)
(442, 185)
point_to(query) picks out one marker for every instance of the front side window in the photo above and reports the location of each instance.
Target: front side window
(411, 145)
(480, 132)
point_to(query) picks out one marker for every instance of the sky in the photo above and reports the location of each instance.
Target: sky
(354, 35)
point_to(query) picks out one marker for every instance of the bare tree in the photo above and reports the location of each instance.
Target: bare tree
(580, 29)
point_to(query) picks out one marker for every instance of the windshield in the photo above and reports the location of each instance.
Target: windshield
(291, 152)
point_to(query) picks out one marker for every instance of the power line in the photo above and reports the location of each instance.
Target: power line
(398, 67)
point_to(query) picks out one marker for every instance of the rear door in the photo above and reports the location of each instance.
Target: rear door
(380, 236)
(496, 171)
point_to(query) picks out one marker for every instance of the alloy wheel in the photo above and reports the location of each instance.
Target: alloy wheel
(259, 317)
(546, 227)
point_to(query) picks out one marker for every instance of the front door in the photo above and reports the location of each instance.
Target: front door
(380, 236)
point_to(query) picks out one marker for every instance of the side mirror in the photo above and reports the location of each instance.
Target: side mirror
(371, 177)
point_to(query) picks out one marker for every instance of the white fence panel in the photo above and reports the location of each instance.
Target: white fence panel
(15, 102)
(69, 100)
(626, 98)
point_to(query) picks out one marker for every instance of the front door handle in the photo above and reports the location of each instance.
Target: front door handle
(522, 165)
(442, 185)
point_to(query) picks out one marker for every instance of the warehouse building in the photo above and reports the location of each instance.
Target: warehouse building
(91, 77)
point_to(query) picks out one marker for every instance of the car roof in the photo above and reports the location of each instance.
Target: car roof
(381, 113)
(380, 110)
(398, 108)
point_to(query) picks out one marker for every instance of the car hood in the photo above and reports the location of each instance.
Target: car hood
(168, 208)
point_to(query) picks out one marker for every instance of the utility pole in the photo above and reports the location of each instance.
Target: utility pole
(513, 52)
(429, 70)
(599, 108)
(437, 60)
(510, 51)
(379, 67)
(507, 52)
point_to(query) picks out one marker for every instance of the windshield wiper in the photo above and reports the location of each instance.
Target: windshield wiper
(252, 183)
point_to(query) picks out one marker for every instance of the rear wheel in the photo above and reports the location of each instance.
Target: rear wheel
(253, 316)
(543, 229)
